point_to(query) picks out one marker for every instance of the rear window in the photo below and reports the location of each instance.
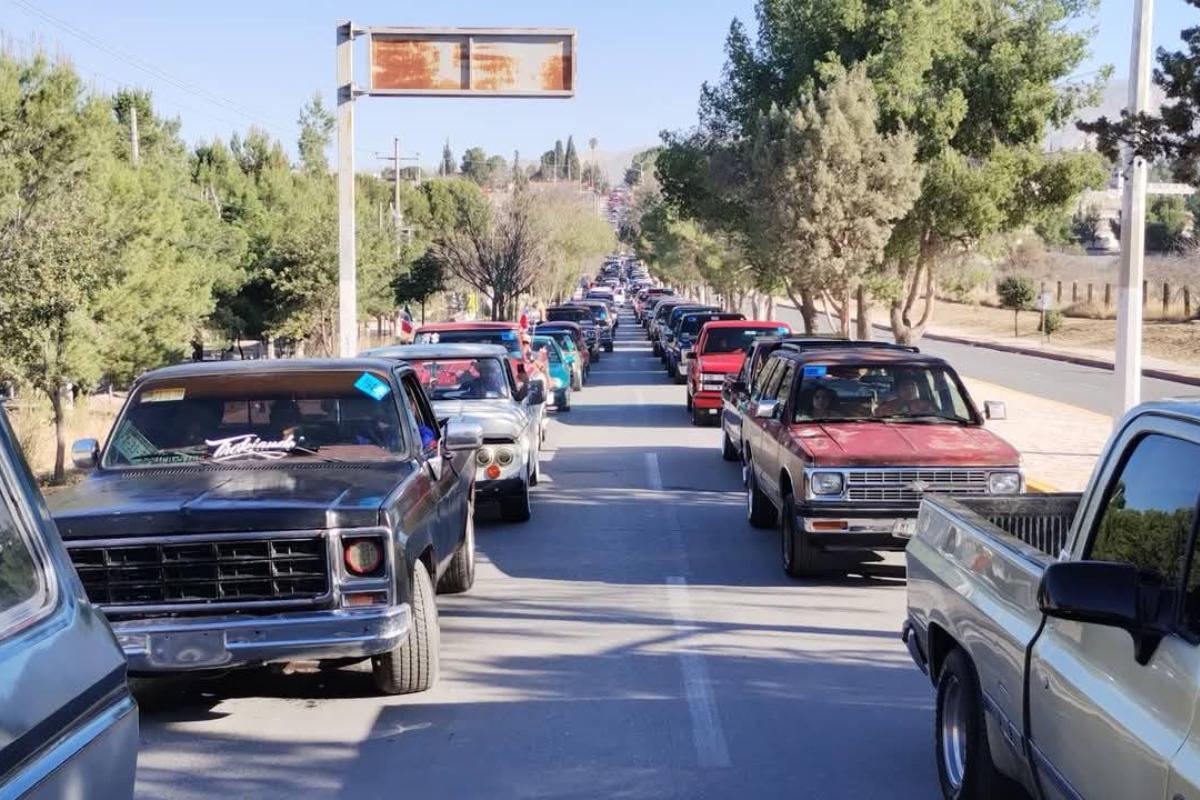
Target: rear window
(463, 379)
(571, 315)
(505, 338)
(692, 325)
(552, 352)
(736, 340)
(342, 415)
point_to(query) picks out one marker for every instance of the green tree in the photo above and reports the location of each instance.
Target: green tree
(1016, 292)
(827, 188)
(572, 171)
(1167, 220)
(446, 169)
(1086, 225)
(316, 132)
(559, 160)
(425, 279)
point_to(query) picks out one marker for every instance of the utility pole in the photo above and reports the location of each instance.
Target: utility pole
(134, 145)
(347, 257)
(396, 184)
(1133, 225)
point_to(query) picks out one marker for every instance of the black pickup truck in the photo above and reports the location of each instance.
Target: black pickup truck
(250, 512)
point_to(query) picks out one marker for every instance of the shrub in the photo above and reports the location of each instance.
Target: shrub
(1052, 322)
(962, 279)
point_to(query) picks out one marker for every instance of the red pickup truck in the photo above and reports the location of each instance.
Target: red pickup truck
(840, 445)
(719, 352)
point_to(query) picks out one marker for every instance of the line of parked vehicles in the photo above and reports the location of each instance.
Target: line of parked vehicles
(244, 513)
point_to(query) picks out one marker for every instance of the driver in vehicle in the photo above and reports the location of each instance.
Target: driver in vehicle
(908, 402)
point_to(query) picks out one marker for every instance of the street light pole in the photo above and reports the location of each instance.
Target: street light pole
(1133, 225)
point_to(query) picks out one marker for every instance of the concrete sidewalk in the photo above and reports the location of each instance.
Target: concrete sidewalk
(1059, 443)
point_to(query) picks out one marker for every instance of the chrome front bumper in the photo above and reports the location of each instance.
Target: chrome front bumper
(192, 643)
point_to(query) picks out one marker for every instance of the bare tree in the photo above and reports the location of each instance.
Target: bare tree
(500, 253)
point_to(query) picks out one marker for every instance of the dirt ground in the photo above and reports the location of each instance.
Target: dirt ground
(1176, 341)
(33, 422)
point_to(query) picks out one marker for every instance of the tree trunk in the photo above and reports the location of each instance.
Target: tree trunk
(864, 314)
(755, 307)
(771, 306)
(805, 305)
(270, 346)
(844, 313)
(60, 434)
(1016, 322)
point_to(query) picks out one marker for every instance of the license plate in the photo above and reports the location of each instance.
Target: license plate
(188, 650)
(906, 528)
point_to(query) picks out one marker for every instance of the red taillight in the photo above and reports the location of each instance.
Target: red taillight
(493, 471)
(363, 556)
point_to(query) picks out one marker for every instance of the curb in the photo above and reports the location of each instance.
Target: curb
(1040, 487)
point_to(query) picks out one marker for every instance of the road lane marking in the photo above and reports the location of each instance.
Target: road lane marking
(707, 735)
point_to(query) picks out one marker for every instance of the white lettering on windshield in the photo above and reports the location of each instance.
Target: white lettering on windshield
(249, 445)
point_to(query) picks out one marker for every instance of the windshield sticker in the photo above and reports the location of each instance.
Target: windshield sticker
(429, 338)
(508, 336)
(131, 444)
(815, 371)
(372, 387)
(248, 445)
(162, 395)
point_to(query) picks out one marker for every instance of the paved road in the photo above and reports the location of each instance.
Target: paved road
(1086, 387)
(637, 639)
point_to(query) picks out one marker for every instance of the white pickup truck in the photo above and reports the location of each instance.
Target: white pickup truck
(1063, 631)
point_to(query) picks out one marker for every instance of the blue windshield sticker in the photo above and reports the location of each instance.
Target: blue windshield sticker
(815, 371)
(508, 335)
(783, 331)
(372, 387)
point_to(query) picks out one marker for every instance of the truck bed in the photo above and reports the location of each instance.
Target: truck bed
(1041, 521)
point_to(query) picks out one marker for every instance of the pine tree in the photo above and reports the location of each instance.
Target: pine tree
(560, 160)
(572, 171)
(447, 166)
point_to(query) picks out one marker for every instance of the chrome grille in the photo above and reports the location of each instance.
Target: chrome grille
(899, 485)
(180, 572)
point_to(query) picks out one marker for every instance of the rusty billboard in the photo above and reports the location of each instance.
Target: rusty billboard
(478, 62)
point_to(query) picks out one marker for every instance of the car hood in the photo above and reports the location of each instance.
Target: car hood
(201, 499)
(498, 418)
(890, 444)
(720, 362)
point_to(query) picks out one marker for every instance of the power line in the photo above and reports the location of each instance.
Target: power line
(144, 66)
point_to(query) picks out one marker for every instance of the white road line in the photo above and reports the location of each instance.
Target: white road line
(707, 735)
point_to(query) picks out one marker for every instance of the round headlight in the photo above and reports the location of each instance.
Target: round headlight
(504, 456)
(1004, 482)
(826, 483)
(363, 556)
(483, 456)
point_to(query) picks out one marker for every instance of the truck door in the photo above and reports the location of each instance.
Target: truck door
(440, 470)
(1101, 724)
(776, 429)
(752, 425)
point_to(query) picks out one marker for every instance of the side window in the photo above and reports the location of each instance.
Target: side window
(1150, 507)
(418, 406)
(25, 587)
(760, 382)
(771, 386)
(784, 389)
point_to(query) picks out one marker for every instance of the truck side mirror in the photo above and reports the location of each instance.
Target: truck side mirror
(462, 436)
(690, 356)
(995, 409)
(85, 453)
(737, 387)
(1113, 594)
(765, 408)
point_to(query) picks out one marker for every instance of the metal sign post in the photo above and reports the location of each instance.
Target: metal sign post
(434, 62)
(1133, 226)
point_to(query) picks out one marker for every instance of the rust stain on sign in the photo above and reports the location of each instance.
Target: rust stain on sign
(556, 73)
(416, 64)
(492, 71)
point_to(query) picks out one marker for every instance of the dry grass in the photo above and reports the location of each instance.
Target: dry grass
(33, 422)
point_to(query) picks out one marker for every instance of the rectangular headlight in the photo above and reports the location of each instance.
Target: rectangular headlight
(1004, 482)
(826, 483)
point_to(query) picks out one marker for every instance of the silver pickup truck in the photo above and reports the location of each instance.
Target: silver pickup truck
(1063, 631)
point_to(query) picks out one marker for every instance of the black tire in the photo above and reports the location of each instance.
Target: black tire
(689, 402)
(728, 452)
(608, 347)
(577, 381)
(657, 350)
(798, 556)
(566, 403)
(413, 665)
(596, 356)
(699, 417)
(759, 510)
(517, 508)
(459, 577)
(958, 688)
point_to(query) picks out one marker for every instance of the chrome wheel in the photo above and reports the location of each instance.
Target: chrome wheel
(954, 731)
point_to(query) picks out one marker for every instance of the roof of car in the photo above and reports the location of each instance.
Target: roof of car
(199, 369)
(417, 352)
(559, 324)
(468, 326)
(861, 355)
(747, 323)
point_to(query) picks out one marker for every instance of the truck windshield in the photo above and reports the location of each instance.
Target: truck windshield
(736, 340)
(505, 338)
(910, 393)
(342, 415)
(463, 379)
(571, 315)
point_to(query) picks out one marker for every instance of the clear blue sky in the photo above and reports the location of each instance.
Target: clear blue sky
(257, 61)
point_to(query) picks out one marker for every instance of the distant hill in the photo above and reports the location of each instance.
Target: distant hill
(1114, 98)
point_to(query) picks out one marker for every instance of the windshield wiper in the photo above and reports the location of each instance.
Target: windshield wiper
(922, 419)
(308, 451)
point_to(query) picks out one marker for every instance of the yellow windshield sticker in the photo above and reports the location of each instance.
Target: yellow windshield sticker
(162, 395)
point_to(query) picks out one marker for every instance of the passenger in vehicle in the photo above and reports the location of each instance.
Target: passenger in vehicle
(908, 402)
